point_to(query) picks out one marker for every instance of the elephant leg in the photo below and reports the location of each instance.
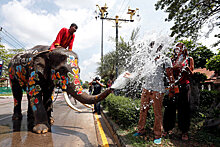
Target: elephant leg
(30, 115)
(40, 115)
(17, 94)
(41, 124)
(48, 103)
(35, 93)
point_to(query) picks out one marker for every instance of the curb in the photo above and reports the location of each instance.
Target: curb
(113, 127)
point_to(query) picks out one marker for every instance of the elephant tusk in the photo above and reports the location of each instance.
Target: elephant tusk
(69, 103)
(88, 106)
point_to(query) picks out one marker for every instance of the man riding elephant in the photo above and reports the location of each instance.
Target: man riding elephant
(65, 38)
(37, 71)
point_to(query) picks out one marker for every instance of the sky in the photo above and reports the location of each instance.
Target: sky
(37, 22)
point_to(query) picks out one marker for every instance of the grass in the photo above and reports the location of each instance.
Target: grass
(198, 136)
(201, 138)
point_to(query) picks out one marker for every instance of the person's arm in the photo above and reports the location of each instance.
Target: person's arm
(99, 83)
(169, 72)
(71, 43)
(59, 37)
(191, 67)
(90, 83)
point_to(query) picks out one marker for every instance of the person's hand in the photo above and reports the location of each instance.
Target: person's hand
(171, 92)
(178, 65)
(127, 75)
(188, 70)
(58, 46)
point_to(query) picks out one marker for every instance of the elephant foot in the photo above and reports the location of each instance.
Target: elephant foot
(17, 116)
(40, 129)
(51, 120)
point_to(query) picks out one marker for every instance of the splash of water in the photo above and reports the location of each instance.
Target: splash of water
(141, 64)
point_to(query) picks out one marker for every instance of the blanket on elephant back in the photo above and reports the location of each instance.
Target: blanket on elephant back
(24, 57)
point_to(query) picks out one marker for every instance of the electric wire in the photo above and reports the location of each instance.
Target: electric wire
(8, 42)
(125, 8)
(12, 38)
(121, 6)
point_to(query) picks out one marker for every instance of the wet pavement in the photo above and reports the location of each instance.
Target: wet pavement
(70, 128)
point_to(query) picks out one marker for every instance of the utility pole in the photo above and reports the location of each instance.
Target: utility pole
(103, 14)
(116, 19)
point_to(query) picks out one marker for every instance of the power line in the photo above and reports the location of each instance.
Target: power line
(11, 37)
(121, 6)
(125, 8)
(8, 42)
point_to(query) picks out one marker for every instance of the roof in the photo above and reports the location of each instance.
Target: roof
(211, 76)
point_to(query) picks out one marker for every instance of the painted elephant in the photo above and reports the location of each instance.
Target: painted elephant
(38, 71)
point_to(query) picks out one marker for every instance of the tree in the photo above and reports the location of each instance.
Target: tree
(6, 55)
(214, 63)
(199, 52)
(109, 60)
(190, 15)
(107, 69)
(85, 85)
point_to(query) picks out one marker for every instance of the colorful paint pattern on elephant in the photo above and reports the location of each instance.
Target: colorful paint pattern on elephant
(59, 79)
(15, 102)
(20, 75)
(76, 80)
(11, 73)
(72, 61)
(32, 88)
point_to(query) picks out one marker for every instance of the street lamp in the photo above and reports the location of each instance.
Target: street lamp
(103, 14)
(132, 13)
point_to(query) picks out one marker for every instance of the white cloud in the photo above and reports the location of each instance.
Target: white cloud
(83, 4)
(89, 65)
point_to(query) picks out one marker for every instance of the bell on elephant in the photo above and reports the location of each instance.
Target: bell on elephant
(38, 71)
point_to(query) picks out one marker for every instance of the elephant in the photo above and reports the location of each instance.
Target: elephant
(38, 71)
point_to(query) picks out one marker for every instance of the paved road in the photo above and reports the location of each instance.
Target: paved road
(70, 129)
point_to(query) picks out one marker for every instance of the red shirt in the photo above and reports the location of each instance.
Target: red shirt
(182, 75)
(64, 39)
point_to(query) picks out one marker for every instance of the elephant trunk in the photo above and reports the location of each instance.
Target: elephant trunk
(89, 99)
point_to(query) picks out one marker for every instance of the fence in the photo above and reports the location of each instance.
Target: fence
(5, 90)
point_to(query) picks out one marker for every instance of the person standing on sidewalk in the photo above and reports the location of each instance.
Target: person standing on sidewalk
(183, 66)
(97, 87)
(152, 94)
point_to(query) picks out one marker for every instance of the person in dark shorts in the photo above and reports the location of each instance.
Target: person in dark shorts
(97, 87)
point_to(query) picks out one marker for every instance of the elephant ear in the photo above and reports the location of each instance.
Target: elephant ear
(60, 55)
(39, 63)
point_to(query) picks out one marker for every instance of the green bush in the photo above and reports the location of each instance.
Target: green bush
(125, 111)
(207, 108)
(207, 98)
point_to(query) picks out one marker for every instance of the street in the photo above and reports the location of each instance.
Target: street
(70, 128)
